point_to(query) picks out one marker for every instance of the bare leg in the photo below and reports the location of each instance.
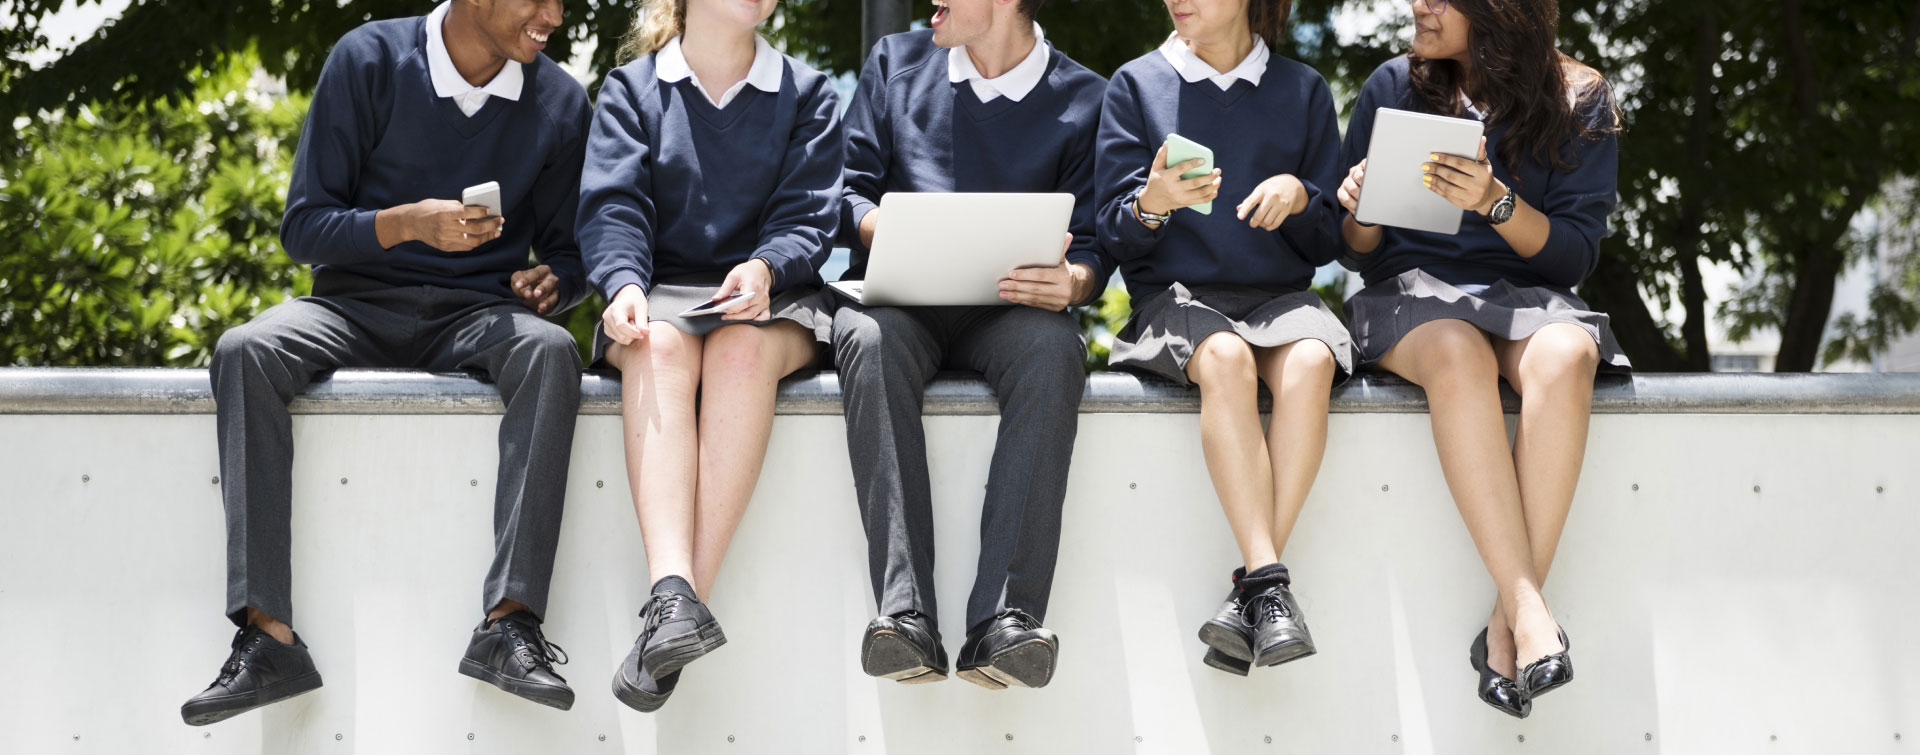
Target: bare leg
(1230, 438)
(1553, 370)
(1300, 377)
(1455, 363)
(742, 367)
(658, 377)
(274, 628)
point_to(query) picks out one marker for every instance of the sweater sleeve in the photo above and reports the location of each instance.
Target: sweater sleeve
(1578, 201)
(321, 225)
(1353, 150)
(801, 216)
(869, 150)
(616, 215)
(556, 203)
(1077, 177)
(1126, 152)
(1315, 232)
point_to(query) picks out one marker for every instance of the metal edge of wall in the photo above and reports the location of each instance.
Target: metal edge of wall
(38, 390)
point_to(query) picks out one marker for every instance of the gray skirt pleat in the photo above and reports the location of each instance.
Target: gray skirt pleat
(809, 306)
(1385, 312)
(1166, 327)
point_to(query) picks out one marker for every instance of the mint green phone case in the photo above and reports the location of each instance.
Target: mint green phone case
(1181, 149)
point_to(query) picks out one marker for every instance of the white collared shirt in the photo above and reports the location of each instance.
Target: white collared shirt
(1014, 84)
(447, 81)
(1470, 108)
(1194, 70)
(670, 65)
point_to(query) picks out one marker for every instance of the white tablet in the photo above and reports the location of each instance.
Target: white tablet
(1395, 193)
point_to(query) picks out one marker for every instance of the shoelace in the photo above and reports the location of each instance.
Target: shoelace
(534, 649)
(661, 608)
(1021, 619)
(245, 642)
(1266, 606)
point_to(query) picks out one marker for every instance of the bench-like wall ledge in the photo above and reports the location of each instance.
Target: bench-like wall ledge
(40, 390)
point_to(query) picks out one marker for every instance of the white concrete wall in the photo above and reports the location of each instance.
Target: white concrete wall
(1761, 582)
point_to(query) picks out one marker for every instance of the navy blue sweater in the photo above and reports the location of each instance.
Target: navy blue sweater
(1284, 126)
(1576, 203)
(675, 186)
(910, 129)
(378, 137)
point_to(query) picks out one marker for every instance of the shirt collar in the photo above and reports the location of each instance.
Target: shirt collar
(447, 81)
(1014, 84)
(1472, 109)
(1193, 69)
(670, 65)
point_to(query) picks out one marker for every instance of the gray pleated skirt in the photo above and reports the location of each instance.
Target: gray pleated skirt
(809, 306)
(1385, 312)
(1167, 326)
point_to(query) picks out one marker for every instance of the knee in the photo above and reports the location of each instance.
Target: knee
(736, 350)
(1223, 362)
(240, 346)
(1558, 356)
(1309, 363)
(860, 335)
(1056, 348)
(551, 346)
(1456, 353)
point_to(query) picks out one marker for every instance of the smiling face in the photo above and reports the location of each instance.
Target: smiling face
(959, 22)
(744, 14)
(1440, 36)
(518, 29)
(1208, 21)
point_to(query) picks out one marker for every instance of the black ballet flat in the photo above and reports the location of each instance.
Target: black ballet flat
(1496, 690)
(1549, 673)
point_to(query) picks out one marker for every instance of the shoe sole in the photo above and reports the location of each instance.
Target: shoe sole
(634, 697)
(664, 657)
(1285, 652)
(552, 697)
(1027, 664)
(1228, 641)
(890, 655)
(215, 710)
(1227, 663)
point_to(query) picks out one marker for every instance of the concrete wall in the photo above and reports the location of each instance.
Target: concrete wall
(1732, 582)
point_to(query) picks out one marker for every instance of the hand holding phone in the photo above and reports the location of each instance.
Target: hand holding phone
(1182, 175)
(484, 195)
(717, 306)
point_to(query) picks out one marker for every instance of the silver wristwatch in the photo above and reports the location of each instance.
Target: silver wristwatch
(1502, 209)
(1147, 217)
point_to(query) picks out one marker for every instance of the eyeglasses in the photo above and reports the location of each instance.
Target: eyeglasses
(1435, 7)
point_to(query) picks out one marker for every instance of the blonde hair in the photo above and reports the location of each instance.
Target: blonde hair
(655, 23)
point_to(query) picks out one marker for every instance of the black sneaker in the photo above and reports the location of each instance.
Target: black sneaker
(1009, 650)
(515, 656)
(1228, 633)
(1279, 630)
(904, 647)
(679, 628)
(258, 672)
(636, 689)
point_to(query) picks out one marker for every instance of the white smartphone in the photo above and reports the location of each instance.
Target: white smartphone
(485, 195)
(717, 307)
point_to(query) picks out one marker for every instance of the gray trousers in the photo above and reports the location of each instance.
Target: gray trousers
(257, 368)
(1035, 362)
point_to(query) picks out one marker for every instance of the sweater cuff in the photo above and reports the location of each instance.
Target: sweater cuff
(611, 282)
(366, 236)
(857, 209)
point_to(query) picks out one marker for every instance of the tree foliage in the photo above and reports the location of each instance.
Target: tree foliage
(1756, 134)
(135, 237)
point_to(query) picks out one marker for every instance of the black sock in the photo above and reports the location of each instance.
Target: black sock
(674, 584)
(1239, 573)
(1265, 578)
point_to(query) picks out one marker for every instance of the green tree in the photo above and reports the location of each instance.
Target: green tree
(137, 235)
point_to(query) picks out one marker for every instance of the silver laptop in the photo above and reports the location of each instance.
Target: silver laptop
(1402, 142)
(944, 249)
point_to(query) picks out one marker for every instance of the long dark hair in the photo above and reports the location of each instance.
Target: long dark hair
(1269, 19)
(1521, 79)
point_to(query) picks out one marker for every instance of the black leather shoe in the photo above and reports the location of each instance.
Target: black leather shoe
(258, 672)
(1009, 650)
(679, 630)
(511, 653)
(633, 686)
(1279, 630)
(1549, 673)
(1496, 690)
(1228, 632)
(904, 647)
(1226, 663)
